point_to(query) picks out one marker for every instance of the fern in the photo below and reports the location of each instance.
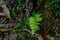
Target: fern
(33, 22)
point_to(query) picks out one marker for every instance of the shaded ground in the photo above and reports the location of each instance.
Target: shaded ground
(49, 25)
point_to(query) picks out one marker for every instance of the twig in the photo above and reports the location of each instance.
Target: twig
(35, 34)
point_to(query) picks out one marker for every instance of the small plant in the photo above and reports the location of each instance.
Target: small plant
(33, 22)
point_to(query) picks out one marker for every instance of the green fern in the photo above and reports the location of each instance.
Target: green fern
(33, 22)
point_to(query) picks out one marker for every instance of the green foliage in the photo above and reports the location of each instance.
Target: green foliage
(53, 3)
(13, 31)
(57, 34)
(19, 30)
(56, 6)
(33, 22)
(46, 6)
(40, 1)
(51, 38)
(57, 13)
(29, 35)
(19, 24)
(13, 14)
(20, 3)
(21, 38)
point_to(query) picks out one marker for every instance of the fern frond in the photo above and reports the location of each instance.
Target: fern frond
(33, 22)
